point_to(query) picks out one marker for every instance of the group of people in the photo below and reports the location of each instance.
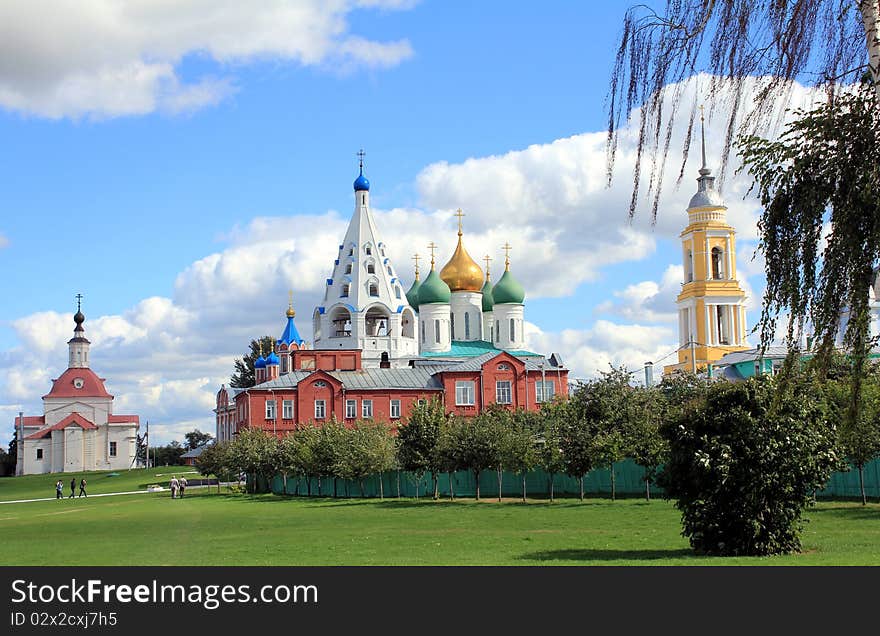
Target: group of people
(178, 486)
(59, 487)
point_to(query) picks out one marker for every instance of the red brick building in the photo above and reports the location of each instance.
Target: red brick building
(377, 351)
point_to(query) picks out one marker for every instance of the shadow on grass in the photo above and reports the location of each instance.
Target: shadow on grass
(606, 555)
(848, 511)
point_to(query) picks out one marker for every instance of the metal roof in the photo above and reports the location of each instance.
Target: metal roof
(749, 355)
(404, 378)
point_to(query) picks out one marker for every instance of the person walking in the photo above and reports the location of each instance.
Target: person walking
(59, 486)
(82, 488)
(182, 486)
(72, 487)
(174, 486)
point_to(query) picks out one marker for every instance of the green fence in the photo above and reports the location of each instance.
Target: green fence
(629, 481)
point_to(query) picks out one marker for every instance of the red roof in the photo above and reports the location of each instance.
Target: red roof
(32, 421)
(65, 387)
(121, 419)
(73, 418)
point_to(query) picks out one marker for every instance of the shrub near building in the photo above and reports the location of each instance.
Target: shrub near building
(745, 462)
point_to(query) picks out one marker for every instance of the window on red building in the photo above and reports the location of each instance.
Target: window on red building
(395, 409)
(320, 409)
(544, 391)
(287, 409)
(367, 409)
(502, 392)
(270, 409)
(464, 393)
(351, 409)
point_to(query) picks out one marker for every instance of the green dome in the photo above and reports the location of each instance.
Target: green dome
(412, 296)
(508, 290)
(433, 290)
(488, 300)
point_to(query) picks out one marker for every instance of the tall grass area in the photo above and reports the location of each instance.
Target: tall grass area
(206, 528)
(39, 486)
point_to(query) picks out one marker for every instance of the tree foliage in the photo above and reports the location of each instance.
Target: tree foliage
(773, 42)
(243, 376)
(823, 173)
(745, 462)
(419, 438)
(194, 439)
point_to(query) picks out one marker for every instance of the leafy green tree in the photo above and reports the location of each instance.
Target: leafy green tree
(365, 449)
(642, 439)
(859, 435)
(448, 452)
(255, 452)
(479, 445)
(243, 376)
(549, 441)
(520, 452)
(743, 465)
(328, 443)
(418, 440)
(300, 454)
(215, 460)
(168, 455)
(195, 439)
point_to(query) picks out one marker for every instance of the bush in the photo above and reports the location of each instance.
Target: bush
(745, 462)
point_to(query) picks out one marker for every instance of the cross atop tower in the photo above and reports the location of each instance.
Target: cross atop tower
(417, 258)
(432, 246)
(459, 214)
(487, 258)
(506, 247)
(361, 154)
(79, 298)
(703, 132)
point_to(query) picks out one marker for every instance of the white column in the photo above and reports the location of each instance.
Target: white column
(708, 260)
(707, 340)
(729, 258)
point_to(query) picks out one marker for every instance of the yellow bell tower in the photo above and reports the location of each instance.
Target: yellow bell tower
(711, 305)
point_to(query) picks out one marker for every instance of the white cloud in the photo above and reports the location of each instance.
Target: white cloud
(165, 357)
(103, 58)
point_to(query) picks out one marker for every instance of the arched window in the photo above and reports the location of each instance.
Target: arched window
(452, 325)
(371, 268)
(348, 268)
(345, 289)
(721, 323)
(467, 326)
(389, 271)
(717, 268)
(397, 292)
(437, 331)
(512, 330)
(374, 289)
(423, 333)
(368, 249)
(689, 267)
(316, 324)
(497, 331)
(407, 324)
(351, 251)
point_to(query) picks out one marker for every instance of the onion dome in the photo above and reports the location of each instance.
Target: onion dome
(508, 289)
(488, 299)
(433, 290)
(79, 318)
(361, 183)
(260, 363)
(412, 296)
(291, 334)
(462, 273)
(272, 359)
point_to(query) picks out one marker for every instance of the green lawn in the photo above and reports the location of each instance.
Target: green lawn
(40, 486)
(207, 528)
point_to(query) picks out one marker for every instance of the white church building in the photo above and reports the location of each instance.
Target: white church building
(77, 430)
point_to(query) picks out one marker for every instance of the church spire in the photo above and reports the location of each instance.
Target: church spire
(78, 346)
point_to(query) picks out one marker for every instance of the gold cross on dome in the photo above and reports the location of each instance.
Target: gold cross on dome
(459, 214)
(432, 246)
(506, 247)
(487, 258)
(417, 258)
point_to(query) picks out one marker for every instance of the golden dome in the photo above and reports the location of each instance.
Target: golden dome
(461, 273)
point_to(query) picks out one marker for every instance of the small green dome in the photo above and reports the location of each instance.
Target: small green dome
(508, 290)
(488, 300)
(433, 290)
(412, 296)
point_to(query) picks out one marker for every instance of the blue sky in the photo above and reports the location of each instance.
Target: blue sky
(183, 207)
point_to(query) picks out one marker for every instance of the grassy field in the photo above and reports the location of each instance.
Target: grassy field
(207, 528)
(40, 486)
